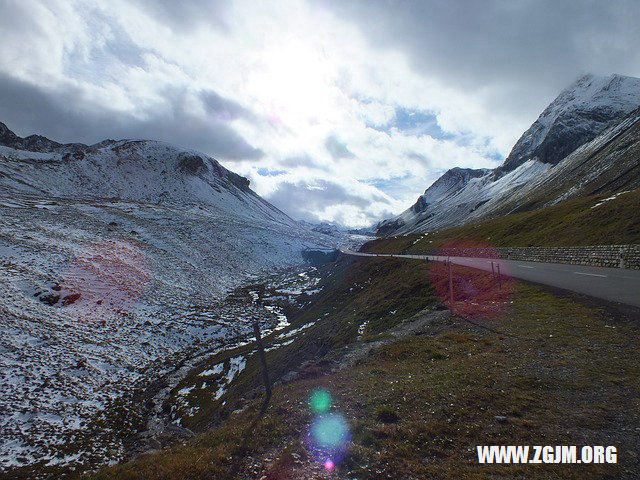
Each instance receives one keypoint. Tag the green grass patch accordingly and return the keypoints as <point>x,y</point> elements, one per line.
<point>573,222</point>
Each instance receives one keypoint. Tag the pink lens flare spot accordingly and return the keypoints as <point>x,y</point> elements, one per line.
<point>329,465</point>
<point>105,280</point>
<point>481,292</point>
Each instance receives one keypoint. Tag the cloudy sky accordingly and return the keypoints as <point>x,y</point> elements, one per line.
<point>337,111</point>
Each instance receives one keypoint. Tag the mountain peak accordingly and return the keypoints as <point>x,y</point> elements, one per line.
<point>590,112</point>
<point>7,137</point>
<point>33,143</point>
<point>581,112</point>
<point>133,170</point>
<point>596,89</point>
<point>452,180</point>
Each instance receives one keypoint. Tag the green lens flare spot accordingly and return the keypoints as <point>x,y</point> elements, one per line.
<point>320,401</point>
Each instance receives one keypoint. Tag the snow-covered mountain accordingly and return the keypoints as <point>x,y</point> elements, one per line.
<point>583,118</point>
<point>138,171</point>
<point>608,163</point>
<point>447,186</point>
<point>115,257</point>
<point>580,113</point>
<point>323,227</point>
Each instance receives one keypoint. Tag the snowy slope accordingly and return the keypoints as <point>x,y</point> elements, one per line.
<point>115,258</point>
<point>440,193</point>
<point>608,163</point>
<point>583,118</point>
<point>580,113</point>
<point>140,171</point>
<point>455,208</point>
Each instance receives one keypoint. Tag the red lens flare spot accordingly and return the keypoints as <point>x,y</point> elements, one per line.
<point>472,292</point>
<point>105,281</point>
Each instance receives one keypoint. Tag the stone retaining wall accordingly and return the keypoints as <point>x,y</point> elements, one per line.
<point>617,256</point>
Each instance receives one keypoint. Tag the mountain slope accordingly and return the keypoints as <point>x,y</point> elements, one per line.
<point>581,112</point>
<point>115,259</point>
<point>443,189</point>
<point>456,207</point>
<point>593,113</point>
<point>141,171</point>
<point>609,163</point>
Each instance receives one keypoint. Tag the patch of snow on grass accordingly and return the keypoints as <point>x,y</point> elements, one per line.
<point>612,197</point>
<point>219,368</point>
<point>291,333</point>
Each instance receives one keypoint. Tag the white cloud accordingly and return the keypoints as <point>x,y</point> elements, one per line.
<point>303,87</point>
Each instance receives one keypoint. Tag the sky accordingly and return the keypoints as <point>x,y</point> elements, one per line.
<point>336,111</point>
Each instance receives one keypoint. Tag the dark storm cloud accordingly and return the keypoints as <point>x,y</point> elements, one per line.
<point>300,200</point>
<point>337,148</point>
<point>61,116</point>
<point>223,108</point>
<point>533,46</point>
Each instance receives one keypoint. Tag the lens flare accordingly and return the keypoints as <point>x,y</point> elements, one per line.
<point>104,281</point>
<point>328,438</point>
<point>329,465</point>
<point>320,401</point>
<point>329,431</point>
<point>476,293</point>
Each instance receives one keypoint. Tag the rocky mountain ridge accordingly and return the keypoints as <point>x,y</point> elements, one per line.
<point>586,115</point>
<point>580,113</point>
<point>139,170</point>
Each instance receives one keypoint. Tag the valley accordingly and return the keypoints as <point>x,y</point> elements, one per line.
<point>114,285</point>
<point>420,387</point>
<point>134,272</point>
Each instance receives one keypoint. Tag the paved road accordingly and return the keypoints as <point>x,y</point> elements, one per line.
<point>614,284</point>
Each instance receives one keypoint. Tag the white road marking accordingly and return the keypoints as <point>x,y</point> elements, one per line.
<point>590,274</point>
<point>524,266</point>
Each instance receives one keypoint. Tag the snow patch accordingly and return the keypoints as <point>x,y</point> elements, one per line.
<point>608,199</point>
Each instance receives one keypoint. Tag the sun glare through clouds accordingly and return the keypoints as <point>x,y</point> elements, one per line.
<point>294,82</point>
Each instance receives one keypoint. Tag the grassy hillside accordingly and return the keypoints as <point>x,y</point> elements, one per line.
<point>574,222</point>
<point>549,370</point>
<point>380,292</point>
<point>383,286</point>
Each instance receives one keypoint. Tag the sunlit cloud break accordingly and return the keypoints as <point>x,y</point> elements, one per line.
<point>302,95</point>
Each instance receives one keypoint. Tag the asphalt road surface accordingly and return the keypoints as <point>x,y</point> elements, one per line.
<point>613,284</point>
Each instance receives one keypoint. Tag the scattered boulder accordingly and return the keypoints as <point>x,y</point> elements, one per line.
<point>50,299</point>
<point>70,299</point>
